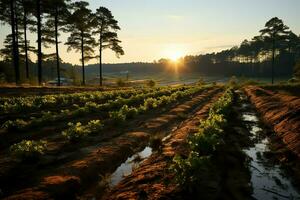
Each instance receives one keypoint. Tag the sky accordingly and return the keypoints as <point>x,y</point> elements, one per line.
<point>152,29</point>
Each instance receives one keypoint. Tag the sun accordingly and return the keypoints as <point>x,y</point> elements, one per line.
<point>174,56</point>
<point>173,52</point>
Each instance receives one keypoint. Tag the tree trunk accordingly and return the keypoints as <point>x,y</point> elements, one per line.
<point>273,59</point>
<point>82,58</point>
<point>17,39</point>
<point>56,45</point>
<point>14,42</point>
<point>39,41</point>
<point>25,40</point>
<point>100,65</point>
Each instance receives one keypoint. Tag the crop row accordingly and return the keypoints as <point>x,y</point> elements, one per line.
<point>189,171</point>
<point>77,131</point>
<point>89,108</point>
<point>35,103</point>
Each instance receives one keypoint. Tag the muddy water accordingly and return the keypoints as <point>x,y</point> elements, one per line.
<point>135,160</point>
<point>126,168</point>
<point>268,180</point>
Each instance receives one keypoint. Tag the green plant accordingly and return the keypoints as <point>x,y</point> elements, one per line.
<point>29,149</point>
<point>153,99</point>
<point>117,117</point>
<point>14,125</point>
<point>189,171</point>
<point>129,112</point>
<point>203,144</point>
<point>94,126</point>
<point>150,103</point>
<point>75,131</point>
<point>89,100</point>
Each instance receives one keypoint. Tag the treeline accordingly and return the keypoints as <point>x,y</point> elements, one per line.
<point>275,51</point>
<point>48,19</point>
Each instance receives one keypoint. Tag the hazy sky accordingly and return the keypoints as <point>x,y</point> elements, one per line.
<point>152,29</point>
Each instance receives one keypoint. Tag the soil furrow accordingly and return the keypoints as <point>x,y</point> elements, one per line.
<point>102,158</point>
<point>281,112</point>
<point>149,180</point>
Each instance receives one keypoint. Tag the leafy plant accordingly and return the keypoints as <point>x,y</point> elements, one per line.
<point>14,125</point>
<point>94,126</point>
<point>188,171</point>
<point>129,112</point>
<point>117,117</point>
<point>150,103</point>
<point>75,131</point>
<point>29,149</point>
<point>203,144</point>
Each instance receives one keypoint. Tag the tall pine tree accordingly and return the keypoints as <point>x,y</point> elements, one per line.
<point>106,29</point>
<point>81,23</point>
<point>274,33</point>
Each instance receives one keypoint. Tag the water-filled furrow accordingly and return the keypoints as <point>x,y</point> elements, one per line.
<point>268,180</point>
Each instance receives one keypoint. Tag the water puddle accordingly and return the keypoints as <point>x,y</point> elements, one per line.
<point>249,117</point>
<point>127,167</point>
<point>268,181</point>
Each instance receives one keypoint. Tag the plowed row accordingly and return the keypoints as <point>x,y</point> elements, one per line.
<point>149,179</point>
<point>73,173</point>
<point>281,112</point>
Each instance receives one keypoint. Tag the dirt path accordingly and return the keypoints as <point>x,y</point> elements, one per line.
<point>78,170</point>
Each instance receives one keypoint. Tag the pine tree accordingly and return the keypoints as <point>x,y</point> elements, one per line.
<point>23,48</point>
<point>57,14</point>
<point>27,10</point>
<point>81,23</point>
<point>107,28</point>
<point>8,16</point>
<point>274,32</point>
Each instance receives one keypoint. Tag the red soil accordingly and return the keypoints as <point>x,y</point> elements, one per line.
<point>281,112</point>
<point>64,180</point>
<point>149,180</point>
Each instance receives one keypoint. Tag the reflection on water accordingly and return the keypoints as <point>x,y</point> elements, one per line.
<point>268,181</point>
<point>126,168</point>
<point>249,117</point>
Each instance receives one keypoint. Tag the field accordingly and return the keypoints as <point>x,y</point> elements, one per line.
<point>209,141</point>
